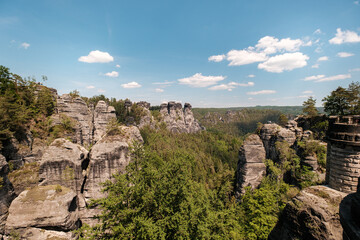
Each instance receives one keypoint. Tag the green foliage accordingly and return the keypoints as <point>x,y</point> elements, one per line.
<point>343,101</point>
<point>283,120</point>
<point>309,107</point>
<point>58,188</point>
<point>159,198</point>
<point>24,177</point>
<point>314,148</point>
<point>1,182</point>
<point>74,94</point>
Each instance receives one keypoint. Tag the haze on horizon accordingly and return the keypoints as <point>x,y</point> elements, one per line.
<point>208,53</point>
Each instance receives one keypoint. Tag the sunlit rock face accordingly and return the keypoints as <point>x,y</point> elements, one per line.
<point>251,167</point>
<point>178,119</point>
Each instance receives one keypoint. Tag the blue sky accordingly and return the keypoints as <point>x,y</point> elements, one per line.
<point>208,53</point>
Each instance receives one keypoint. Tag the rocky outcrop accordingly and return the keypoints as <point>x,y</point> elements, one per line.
<point>251,167</point>
<point>271,133</point>
<point>146,118</point>
<point>7,193</point>
<point>42,234</point>
<point>108,156</point>
<point>77,109</point>
<point>44,207</point>
<point>63,163</point>
<point>103,114</point>
<point>350,216</point>
<point>312,214</point>
<point>178,119</point>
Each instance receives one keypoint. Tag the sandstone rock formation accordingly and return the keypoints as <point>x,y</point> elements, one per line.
<point>178,119</point>
<point>77,109</point>
<point>147,119</point>
<point>63,163</point>
<point>44,207</point>
<point>102,115</point>
<point>312,214</point>
<point>251,167</point>
<point>7,193</point>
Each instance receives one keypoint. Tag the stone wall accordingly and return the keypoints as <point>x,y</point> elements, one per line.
<point>343,156</point>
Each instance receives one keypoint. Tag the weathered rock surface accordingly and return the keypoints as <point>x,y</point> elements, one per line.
<point>108,156</point>
<point>42,234</point>
<point>102,115</point>
<point>7,193</point>
<point>350,216</point>
<point>63,163</point>
<point>178,119</point>
<point>271,133</point>
<point>77,109</point>
<point>251,167</point>
<point>146,119</point>
<point>48,207</point>
<point>312,214</point>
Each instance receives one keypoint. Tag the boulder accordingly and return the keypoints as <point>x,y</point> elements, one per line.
<point>63,163</point>
<point>102,115</point>
<point>312,214</point>
<point>292,125</point>
<point>251,167</point>
<point>50,207</point>
<point>42,234</point>
<point>191,124</point>
<point>7,193</point>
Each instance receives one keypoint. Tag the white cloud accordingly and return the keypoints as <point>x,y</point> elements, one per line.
<point>317,31</point>
<point>318,50</point>
<point>334,78</point>
<point>270,45</point>
<point>198,80</point>
<point>117,65</point>
<point>261,92</point>
<point>354,70</point>
<point>216,58</point>
<point>243,57</point>
<point>90,87</point>
<point>112,74</point>
<point>344,54</point>
<point>159,90</point>
<point>315,77</point>
<point>346,36</point>
<point>251,76</point>
<point>25,45</point>
<point>231,86</point>
<point>356,3</point>
<point>315,65</point>
<point>101,91</point>
<point>307,92</point>
<point>131,85</point>
<point>96,57</point>
<point>284,62</point>
<point>323,58</point>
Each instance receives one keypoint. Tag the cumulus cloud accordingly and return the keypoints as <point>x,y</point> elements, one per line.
<point>243,57</point>
<point>270,45</point>
<point>284,62</point>
<point>131,85</point>
<point>323,58</point>
<point>25,45</point>
<point>90,87</point>
<point>315,65</point>
<point>164,84</point>
<point>334,78</point>
<point>307,92</point>
<point>216,58</point>
<point>345,54</point>
<point>112,74</point>
<point>251,76</point>
<point>230,86</point>
<point>117,65</point>
<point>159,90</point>
<point>198,80</point>
<point>261,92</point>
<point>96,57</point>
<point>315,77</point>
<point>346,36</point>
<point>356,3</point>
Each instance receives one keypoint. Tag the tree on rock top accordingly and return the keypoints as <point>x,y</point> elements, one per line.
<point>309,107</point>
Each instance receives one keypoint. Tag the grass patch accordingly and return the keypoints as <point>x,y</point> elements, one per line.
<point>40,193</point>
<point>25,177</point>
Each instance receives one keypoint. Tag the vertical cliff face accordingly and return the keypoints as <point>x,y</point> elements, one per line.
<point>251,166</point>
<point>101,117</point>
<point>178,119</point>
